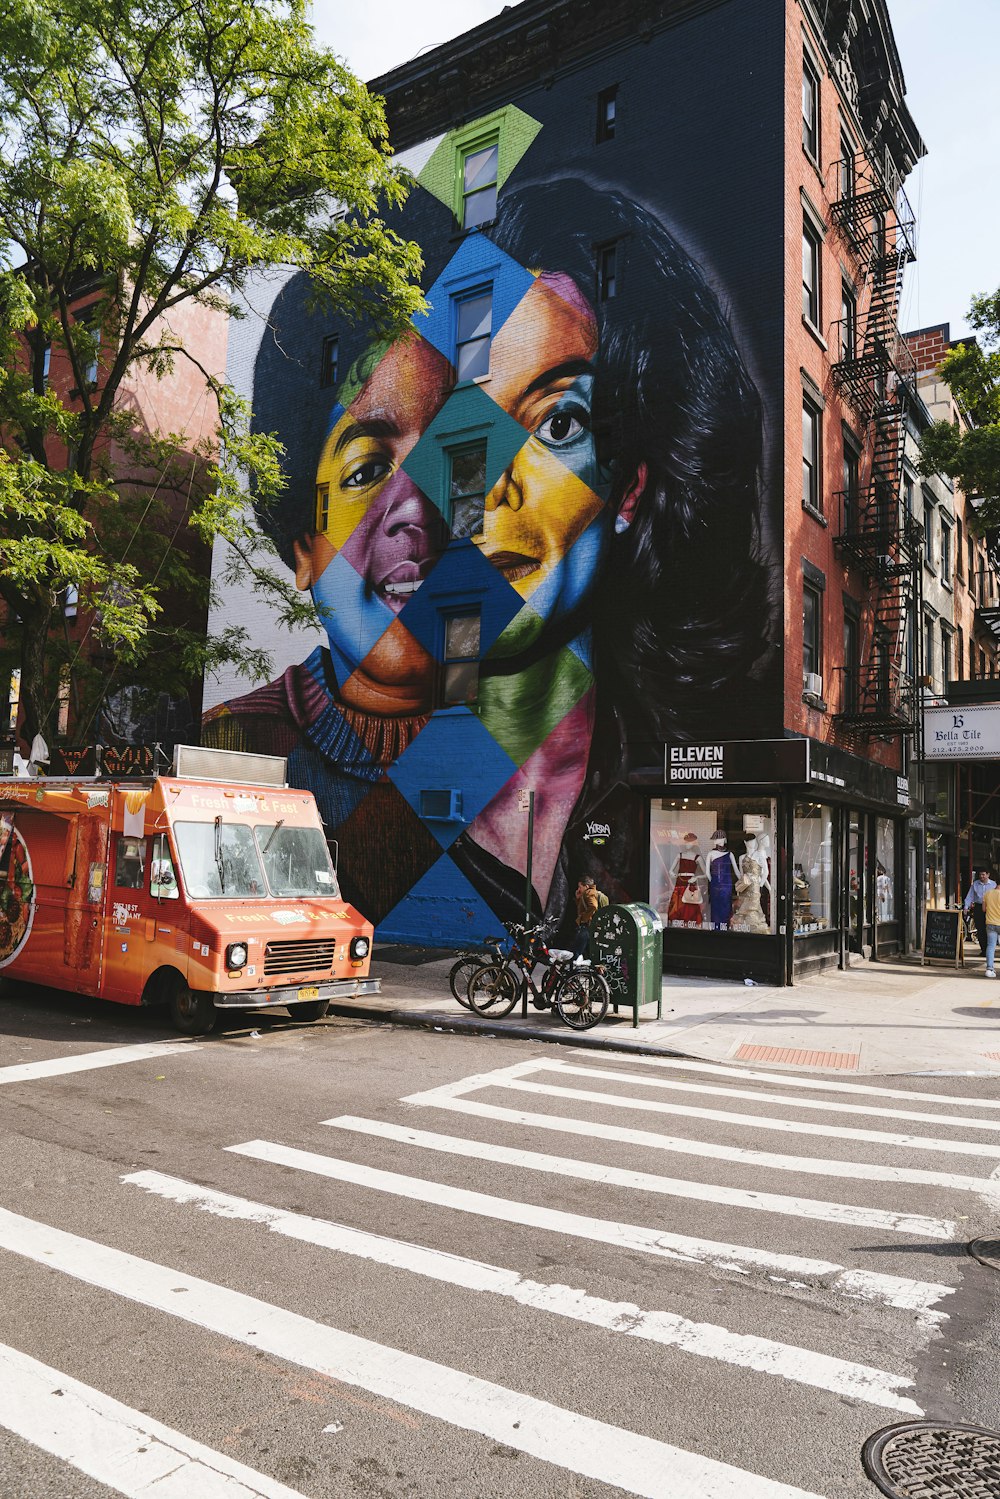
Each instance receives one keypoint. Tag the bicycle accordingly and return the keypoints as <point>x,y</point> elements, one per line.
<point>578,992</point>
<point>468,961</point>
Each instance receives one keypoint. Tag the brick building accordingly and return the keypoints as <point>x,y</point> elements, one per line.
<point>621,523</point>
<point>962,638</point>
<point>178,412</point>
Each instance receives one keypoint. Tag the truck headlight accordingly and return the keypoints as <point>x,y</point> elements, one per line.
<point>236,955</point>
<point>359,948</point>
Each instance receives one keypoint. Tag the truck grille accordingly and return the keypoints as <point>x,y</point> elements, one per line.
<point>292,957</point>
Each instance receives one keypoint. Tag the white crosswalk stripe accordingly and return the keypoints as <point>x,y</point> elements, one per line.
<point>760,1259</point>
<point>624,1459</point>
<point>826,1105</point>
<point>122,1448</point>
<point>984,1186</point>
<point>803,1366</point>
<point>892,1290</point>
<point>645,1181</point>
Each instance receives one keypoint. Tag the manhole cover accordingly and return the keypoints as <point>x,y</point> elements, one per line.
<point>921,1460</point>
<point>986,1251</point>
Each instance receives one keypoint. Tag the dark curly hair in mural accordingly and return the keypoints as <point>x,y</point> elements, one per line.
<point>682,609</point>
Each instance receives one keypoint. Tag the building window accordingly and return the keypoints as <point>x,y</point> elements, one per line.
<point>812,631</point>
<point>467,489</point>
<point>473,331</point>
<point>71,600</point>
<point>929,535</point>
<point>910,647</point>
<point>329,361</point>
<point>607,272</point>
<point>848,171</point>
<point>852,661</point>
<point>322,509</point>
<point>810,109</point>
<point>810,274</point>
<point>812,868</point>
<point>705,847</point>
<point>946,656</point>
<point>607,114</point>
<point>93,329</point>
<point>972,657</point>
<point>479,185</point>
<point>972,562</point>
<point>46,365</point>
<point>848,322</point>
<point>946,554</point>
<point>960,653</point>
<point>851,482</point>
<point>959,561</point>
<point>908,495</point>
<point>811,489</point>
<point>929,649</point>
<point>461,658</point>
<point>62,699</point>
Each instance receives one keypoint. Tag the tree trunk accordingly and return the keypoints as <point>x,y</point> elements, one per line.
<point>37,709</point>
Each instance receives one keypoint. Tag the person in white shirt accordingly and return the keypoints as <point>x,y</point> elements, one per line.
<point>974,902</point>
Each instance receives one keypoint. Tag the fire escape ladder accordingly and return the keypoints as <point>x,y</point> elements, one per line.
<point>876,374</point>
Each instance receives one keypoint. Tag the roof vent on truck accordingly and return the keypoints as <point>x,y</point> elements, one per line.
<point>192,763</point>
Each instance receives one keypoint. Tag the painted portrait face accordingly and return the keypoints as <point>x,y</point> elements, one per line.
<point>377,537</point>
<point>546,521</point>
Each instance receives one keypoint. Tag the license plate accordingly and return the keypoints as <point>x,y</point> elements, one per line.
<point>309,993</point>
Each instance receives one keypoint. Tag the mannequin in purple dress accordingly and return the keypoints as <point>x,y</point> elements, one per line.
<point>722,877</point>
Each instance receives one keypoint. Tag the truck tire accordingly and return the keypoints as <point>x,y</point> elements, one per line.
<point>191,1010</point>
<point>309,1009</point>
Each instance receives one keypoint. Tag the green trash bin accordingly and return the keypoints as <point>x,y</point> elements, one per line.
<point>628,943</point>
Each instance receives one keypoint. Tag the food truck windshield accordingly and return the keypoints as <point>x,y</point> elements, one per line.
<point>226,860</point>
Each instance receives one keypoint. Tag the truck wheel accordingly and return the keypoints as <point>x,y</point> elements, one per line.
<point>191,1010</point>
<point>310,1009</point>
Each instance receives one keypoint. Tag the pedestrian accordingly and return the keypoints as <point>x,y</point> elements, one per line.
<point>991,915</point>
<point>974,902</point>
<point>586,906</point>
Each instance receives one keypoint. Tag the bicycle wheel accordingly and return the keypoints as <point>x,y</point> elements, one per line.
<point>493,991</point>
<point>461,973</point>
<point>582,998</point>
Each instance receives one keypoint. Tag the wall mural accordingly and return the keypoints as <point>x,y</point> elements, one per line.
<point>532,541</point>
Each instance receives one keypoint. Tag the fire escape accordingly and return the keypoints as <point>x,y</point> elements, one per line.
<point>876,374</point>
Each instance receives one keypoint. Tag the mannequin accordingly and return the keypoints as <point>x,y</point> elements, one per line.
<point>722,877</point>
<point>802,912</point>
<point>748,915</point>
<point>681,911</point>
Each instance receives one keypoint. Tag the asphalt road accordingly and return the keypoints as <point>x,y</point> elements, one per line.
<point>462,1266</point>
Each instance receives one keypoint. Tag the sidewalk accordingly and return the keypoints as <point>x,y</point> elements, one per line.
<point>873,1018</point>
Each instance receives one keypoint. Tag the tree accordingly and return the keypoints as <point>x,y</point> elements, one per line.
<point>972,456</point>
<point>154,154</point>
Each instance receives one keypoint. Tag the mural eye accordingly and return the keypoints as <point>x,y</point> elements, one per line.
<point>562,427</point>
<point>366,473</point>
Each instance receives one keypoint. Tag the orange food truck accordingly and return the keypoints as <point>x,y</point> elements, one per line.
<point>211,888</point>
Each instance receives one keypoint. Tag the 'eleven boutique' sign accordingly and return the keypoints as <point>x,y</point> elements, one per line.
<point>962,733</point>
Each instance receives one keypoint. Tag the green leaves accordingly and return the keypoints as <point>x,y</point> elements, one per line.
<point>972,456</point>
<point>153,155</point>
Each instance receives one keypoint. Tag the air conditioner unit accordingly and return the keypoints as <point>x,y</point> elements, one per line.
<point>812,684</point>
<point>441,806</point>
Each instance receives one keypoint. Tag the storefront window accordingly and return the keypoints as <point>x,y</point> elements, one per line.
<point>885,869</point>
<point>812,868</point>
<point>712,864</point>
<point>935,879</point>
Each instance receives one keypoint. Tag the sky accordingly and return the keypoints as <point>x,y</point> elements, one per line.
<point>949,51</point>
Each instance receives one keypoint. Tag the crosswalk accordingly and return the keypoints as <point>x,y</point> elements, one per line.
<point>705,1281</point>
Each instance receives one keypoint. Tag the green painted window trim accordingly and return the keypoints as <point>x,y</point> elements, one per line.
<point>488,130</point>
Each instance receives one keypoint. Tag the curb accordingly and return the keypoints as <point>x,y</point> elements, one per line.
<point>466,1025</point>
